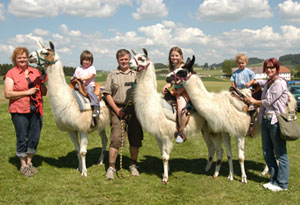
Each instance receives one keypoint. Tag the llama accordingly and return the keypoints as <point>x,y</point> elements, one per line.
<point>150,112</point>
<point>65,107</point>
<point>217,108</point>
<point>210,105</point>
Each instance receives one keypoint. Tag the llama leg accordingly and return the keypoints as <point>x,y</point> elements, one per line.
<point>104,143</point>
<point>241,152</point>
<point>217,140</point>
<point>74,138</point>
<point>210,149</point>
<point>227,143</point>
<point>165,147</point>
<point>83,151</point>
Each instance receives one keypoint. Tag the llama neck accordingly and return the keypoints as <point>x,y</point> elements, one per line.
<point>57,86</point>
<point>148,104</point>
<point>195,84</point>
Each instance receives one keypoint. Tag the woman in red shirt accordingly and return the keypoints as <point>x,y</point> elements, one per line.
<point>24,87</point>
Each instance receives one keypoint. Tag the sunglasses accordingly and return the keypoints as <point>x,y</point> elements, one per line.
<point>270,67</point>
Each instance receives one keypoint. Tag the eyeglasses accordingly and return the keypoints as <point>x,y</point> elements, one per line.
<point>270,67</point>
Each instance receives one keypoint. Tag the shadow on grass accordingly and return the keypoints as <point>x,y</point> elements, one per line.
<point>153,165</point>
<point>150,164</point>
<point>68,161</point>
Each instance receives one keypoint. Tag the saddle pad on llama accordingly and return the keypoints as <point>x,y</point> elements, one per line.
<point>83,102</point>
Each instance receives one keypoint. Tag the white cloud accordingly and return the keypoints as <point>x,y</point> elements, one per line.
<point>190,36</point>
<point>157,34</point>
<point>63,28</point>
<point>68,32</point>
<point>41,32</point>
<point>158,38</point>
<point>44,8</point>
<point>33,9</point>
<point>150,9</point>
<point>233,10</point>
<point>6,49</point>
<point>290,11</point>
<point>2,18</point>
<point>64,50</point>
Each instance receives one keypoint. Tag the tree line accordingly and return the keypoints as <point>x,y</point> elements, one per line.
<point>68,70</point>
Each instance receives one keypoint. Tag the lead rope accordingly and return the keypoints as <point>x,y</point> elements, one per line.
<point>121,172</point>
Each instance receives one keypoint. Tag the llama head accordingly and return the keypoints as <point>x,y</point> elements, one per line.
<point>183,73</point>
<point>43,56</point>
<point>139,62</point>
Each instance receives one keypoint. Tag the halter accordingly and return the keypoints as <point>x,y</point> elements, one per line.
<point>141,67</point>
<point>43,60</point>
<point>181,79</point>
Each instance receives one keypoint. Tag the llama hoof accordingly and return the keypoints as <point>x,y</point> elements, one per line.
<point>100,162</point>
<point>164,181</point>
<point>230,178</point>
<point>244,181</point>
<point>214,177</point>
<point>84,174</point>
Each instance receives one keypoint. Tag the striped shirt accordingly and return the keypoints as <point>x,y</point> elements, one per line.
<point>119,85</point>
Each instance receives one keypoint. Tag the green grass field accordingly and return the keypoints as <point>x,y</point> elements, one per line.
<point>58,181</point>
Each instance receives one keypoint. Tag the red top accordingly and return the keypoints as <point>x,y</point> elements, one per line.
<point>22,105</point>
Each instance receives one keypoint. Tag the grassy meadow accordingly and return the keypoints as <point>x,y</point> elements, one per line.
<point>58,181</point>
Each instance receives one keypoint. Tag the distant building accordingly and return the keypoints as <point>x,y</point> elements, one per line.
<point>259,73</point>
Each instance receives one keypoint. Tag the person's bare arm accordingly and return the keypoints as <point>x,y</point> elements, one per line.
<point>13,95</point>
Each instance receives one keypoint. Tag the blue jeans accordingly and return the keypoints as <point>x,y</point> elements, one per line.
<point>275,148</point>
<point>93,97</point>
<point>28,130</point>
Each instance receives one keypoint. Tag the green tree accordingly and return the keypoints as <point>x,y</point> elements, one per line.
<point>227,66</point>
<point>205,66</point>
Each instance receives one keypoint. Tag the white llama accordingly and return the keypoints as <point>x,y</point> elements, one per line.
<point>153,118</point>
<point>65,107</point>
<point>217,109</point>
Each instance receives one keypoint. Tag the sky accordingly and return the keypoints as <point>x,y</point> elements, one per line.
<point>212,30</point>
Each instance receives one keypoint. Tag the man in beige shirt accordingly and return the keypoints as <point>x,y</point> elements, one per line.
<point>117,91</point>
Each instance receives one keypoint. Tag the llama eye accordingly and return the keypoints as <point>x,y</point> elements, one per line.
<point>45,53</point>
<point>141,59</point>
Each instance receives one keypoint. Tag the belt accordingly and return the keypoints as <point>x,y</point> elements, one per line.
<point>268,116</point>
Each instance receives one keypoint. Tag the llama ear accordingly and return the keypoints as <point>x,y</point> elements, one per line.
<point>145,52</point>
<point>189,65</point>
<point>41,44</point>
<point>52,47</point>
<point>188,60</point>
<point>133,51</point>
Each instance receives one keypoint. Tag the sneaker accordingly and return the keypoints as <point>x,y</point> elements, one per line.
<point>275,188</point>
<point>266,186</point>
<point>179,139</point>
<point>134,170</point>
<point>96,112</point>
<point>26,171</point>
<point>110,173</point>
<point>32,169</point>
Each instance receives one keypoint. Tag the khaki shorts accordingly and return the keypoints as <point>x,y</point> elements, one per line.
<point>132,127</point>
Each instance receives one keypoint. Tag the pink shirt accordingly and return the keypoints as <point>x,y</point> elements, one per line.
<point>82,72</point>
<point>22,105</point>
<point>274,98</point>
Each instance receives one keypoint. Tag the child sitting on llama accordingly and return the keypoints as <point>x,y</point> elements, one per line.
<point>244,78</point>
<point>87,72</point>
<point>175,61</point>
